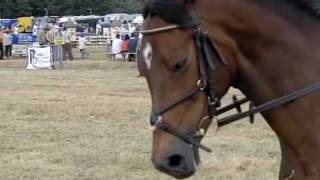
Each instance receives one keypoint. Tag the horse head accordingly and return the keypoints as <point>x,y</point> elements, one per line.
<point>186,76</point>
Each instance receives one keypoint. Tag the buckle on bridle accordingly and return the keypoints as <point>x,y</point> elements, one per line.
<point>155,119</point>
<point>202,85</point>
<point>214,101</point>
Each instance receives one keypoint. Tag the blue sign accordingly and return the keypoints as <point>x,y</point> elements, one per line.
<point>8,22</point>
<point>23,38</point>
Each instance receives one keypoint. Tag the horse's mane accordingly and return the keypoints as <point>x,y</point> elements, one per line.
<point>297,10</point>
<point>178,11</point>
<point>311,6</point>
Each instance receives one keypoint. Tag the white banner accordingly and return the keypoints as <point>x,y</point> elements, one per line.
<point>44,57</point>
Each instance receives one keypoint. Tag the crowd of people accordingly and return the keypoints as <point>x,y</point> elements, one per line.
<point>118,31</point>
<point>124,44</point>
<point>5,44</point>
<point>48,36</point>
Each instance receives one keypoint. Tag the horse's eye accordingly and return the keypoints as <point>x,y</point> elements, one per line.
<point>180,66</point>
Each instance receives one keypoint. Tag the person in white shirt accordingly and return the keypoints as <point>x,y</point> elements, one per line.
<point>117,45</point>
<point>83,46</point>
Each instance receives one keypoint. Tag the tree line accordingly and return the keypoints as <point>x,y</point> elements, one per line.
<point>18,8</point>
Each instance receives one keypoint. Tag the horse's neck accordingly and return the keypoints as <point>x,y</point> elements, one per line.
<point>272,57</point>
<point>271,52</point>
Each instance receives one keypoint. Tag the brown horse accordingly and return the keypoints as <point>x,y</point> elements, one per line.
<point>265,48</point>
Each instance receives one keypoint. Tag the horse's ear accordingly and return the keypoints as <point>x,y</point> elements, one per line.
<point>189,2</point>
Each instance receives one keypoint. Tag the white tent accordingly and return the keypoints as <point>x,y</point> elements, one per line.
<point>138,20</point>
<point>63,19</point>
<point>117,17</point>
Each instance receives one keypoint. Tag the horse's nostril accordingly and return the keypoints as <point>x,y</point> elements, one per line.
<point>175,161</point>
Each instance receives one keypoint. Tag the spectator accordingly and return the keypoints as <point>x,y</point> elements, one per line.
<point>8,44</point>
<point>125,44</point>
<point>133,43</point>
<point>82,46</point>
<point>58,37</point>
<point>1,44</point>
<point>42,36</point>
<point>117,45</point>
<point>50,35</point>
<point>67,48</point>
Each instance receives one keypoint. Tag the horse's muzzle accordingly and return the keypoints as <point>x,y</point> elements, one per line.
<point>179,161</point>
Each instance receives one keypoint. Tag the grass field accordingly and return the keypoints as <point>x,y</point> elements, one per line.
<point>88,121</point>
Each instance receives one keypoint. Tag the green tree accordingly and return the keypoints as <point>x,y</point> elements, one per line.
<point>16,8</point>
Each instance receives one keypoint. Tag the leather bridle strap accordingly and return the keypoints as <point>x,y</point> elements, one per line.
<point>232,106</point>
<point>161,29</point>
<point>156,114</point>
<point>271,104</point>
<point>188,139</point>
<point>201,86</point>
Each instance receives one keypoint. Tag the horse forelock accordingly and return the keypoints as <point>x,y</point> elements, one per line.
<point>172,11</point>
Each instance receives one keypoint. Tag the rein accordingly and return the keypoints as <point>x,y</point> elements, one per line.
<point>289,98</point>
<point>214,101</point>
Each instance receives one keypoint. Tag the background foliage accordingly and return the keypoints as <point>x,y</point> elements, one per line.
<point>16,8</point>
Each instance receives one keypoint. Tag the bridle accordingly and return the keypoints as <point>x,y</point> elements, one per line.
<point>202,85</point>
<point>206,51</point>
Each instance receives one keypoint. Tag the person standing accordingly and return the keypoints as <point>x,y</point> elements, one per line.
<point>82,46</point>
<point>1,44</point>
<point>8,44</point>
<point>59,38</point>
<point>42,36</point>
<point>67,48</point>
<point>51,36</point>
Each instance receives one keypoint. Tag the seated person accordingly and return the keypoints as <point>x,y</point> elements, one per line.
<point>117,45</point>
<point>125,44</point>
<point>133,43</point>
